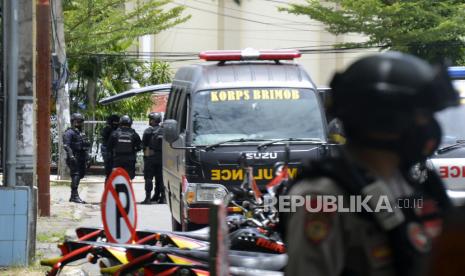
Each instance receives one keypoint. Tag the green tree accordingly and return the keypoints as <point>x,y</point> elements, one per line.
<point>90,38</point>
<point>96,32</point>
<point>117,74</point>
<point>102,26</point>
<point>432,30</point>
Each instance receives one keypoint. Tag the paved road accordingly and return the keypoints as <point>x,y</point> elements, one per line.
<point>156,216</point>
<point>67,216</point>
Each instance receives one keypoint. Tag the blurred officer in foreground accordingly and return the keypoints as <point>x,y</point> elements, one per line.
<point>77,147</point>
<point>448,254</point>
<point>111,125</point>
<point>124,143</point>
<point>152,145</point>
<point>386,103</point>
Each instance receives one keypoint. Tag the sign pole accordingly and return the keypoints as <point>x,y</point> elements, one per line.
<point>219,243</point>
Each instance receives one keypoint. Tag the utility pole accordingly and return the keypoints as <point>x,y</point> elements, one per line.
<point>12,95</point>
<point>61,88</point>
<point>43,105</point>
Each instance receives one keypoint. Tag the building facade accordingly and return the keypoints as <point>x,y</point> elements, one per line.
<point>222,24</point>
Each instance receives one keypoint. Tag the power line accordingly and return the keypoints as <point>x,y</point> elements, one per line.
<point>305,50</point>
<point>255,37</point>
<point>243,30</point>
<point>235,17</point>
<point>61,69</point>
<point>185,56</point>
<point>258,14</point>
<point>277,1</point>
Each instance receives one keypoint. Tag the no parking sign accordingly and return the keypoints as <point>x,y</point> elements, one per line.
<point>119,213</point>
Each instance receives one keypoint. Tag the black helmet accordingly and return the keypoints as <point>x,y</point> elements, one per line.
<point>77,117</point>
<point>381,91</point>
<point>156,116</point>
<point>113,118</point>
<point>125,120</point>
<point>387,101</point>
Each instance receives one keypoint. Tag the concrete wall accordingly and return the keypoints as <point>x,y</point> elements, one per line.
<point>221,24</point>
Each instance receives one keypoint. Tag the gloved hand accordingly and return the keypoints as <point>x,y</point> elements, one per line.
<point>72,161</point>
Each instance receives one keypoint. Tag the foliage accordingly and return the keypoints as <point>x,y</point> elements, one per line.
<point>430,29</point>
<point>97,32</point>
<point>117,74</point>
<point>98,26</point>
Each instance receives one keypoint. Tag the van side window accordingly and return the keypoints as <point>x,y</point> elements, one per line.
<point>169,106</point>
<point>187,112</point>
<point>175,108</point>
<point>182,112</point>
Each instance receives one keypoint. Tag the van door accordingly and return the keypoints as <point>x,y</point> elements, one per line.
<point>173,159</point>
<point>170,174</point>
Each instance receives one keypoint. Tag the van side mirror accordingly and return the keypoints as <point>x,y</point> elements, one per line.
<point>170,130</point>
<point>336,132</point>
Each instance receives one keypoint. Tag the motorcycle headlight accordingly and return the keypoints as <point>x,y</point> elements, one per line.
<point>418,172</point>
<point>204,192</point>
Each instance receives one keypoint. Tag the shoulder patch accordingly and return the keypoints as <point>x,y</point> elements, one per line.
<point>317,226</point>
<point>418,237</point>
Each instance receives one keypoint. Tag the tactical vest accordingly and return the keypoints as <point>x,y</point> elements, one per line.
<point>410,239</point>
<point>79,141</point>
<point>124,143</point>
<point>155,142</point>
<point>85,142</point>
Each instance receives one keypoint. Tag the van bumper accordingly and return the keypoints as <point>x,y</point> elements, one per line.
<point>199,215</point>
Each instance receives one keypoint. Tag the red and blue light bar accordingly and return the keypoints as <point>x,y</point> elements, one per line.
<point>249,54</point>
<point>457,72</point>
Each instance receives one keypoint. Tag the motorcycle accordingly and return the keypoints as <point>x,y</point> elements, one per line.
<point>253,231</point>
<point>153,260</point>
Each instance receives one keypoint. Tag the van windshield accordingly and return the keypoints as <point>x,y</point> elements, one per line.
<point>452,120</point>
<point>256,113</point>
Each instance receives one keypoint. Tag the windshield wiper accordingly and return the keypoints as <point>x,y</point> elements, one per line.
<point>445,149</point>
<point>313,140</point>
<point>232,141</point>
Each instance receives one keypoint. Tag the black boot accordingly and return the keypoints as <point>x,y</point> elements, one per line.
<point>75,197</point>
<point>155,198</point>
<point>74,190</point>
<point>158,192</point>
<point>147,198</point>
<point>162,200</point>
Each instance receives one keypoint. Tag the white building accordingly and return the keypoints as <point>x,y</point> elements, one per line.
<point>222,24</point>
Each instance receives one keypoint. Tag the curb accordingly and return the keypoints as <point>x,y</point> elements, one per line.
<point>86,182</point>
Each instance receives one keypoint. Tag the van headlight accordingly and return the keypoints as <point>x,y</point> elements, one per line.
<point>204,192</point>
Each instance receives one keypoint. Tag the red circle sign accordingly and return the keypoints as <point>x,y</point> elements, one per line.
<point>119,213</point>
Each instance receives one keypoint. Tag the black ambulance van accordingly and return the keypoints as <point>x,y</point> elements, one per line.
<point>239,103</point>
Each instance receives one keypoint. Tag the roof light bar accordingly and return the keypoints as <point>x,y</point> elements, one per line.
<point>249,54</point>
<point>457,72</point>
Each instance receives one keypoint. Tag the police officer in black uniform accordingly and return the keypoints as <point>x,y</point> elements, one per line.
<point>76,146</point>
<point>124,143</point>
<point>152,145</point>
<point>111,125</point>
<point>386,103</point>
